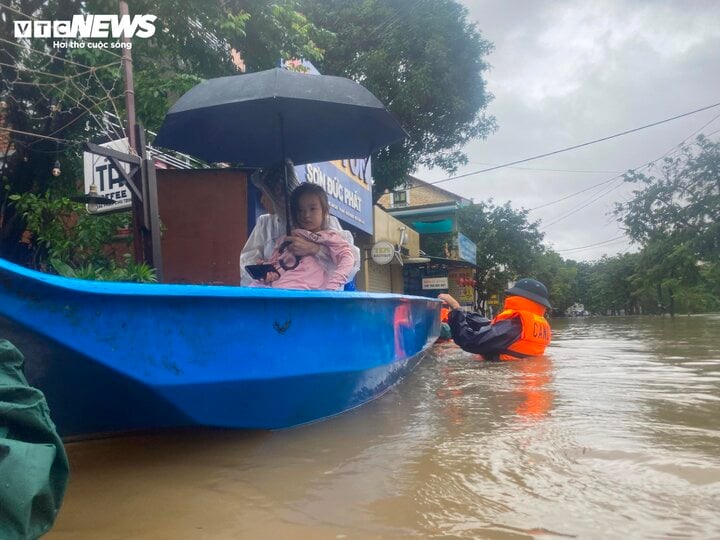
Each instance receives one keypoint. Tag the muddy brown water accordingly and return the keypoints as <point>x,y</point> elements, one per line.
<point>615,434</point>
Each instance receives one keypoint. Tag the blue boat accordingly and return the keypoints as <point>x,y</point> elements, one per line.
<point>113,357</point>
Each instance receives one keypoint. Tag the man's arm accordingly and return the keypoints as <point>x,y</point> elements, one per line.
<point>487,339</point>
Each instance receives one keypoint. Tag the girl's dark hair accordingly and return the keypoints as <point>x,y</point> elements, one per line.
<point>308,188</point>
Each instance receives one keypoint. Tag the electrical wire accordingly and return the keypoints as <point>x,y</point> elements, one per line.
<point>53,56</point>
<point>548,170</point>
<point>675,148</point>
<point>10,130</point>
<point>574,147</point>
<point>611,240</point>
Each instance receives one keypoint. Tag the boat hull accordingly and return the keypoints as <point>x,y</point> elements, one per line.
<point>117,356</point>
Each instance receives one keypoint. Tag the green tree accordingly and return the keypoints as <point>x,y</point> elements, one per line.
<point>53,99</point>
<point>278,30</point>
<point>194,40</point>
<point>671,267</point>
<point>507,244</point>
<point>675,216</point>
<point>559,276</point>
<point>425,61</point>
<point>611,285</point>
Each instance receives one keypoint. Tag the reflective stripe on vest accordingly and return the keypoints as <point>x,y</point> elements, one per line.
<point>535,334</point>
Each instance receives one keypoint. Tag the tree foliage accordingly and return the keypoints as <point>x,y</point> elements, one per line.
<point>53,99</point>
<point>425,61</point>
<point>558,275</point>
<point>681,204</point>
<point>675,216</point>
<point>507,243</point>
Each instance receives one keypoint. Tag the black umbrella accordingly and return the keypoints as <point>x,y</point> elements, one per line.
<point>260,119</point>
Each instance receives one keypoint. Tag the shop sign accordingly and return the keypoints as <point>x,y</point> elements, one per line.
<point>347,182</point>
<point>463,289</point>
<point>100,171</point>
<point>434,283</point>
<point>467,249</point>
<point>382,252</point>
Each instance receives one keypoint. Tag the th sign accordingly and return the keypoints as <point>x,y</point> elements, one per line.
<point>101,172</point>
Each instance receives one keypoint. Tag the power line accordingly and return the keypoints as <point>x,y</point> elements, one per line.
<point>35,135</point>
<point>549,170</point>
<point>585,204</point>
<point>577,193</point>
<point>37,72</point>
<point>669,151</point>
<point>593,245</point>
<point>53,56</point>
<point>605,245</point>
<point>574,147</point>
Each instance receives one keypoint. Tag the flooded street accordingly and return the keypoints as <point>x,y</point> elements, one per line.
<point>616,434</point>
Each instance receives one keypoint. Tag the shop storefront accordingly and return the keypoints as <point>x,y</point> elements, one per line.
<point>439,275</point>
<point>392,247</point>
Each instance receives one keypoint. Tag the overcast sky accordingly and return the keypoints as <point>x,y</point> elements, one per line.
<point>567,72</point>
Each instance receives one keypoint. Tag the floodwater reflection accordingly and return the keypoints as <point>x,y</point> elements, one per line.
<point>614,434</point>
<point>534,386</point>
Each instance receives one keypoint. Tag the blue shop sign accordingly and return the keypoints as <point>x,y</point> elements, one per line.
<point>467,249</point>
<point>348,183</point>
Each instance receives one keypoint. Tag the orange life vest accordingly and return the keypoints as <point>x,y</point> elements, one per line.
<point>536,333</point>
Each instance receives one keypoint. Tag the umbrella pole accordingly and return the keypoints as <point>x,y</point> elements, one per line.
<point>286,187</point>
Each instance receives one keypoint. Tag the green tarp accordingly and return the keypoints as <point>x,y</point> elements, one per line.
<point>33,464</point>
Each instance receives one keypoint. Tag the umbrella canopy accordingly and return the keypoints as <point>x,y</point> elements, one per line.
<point>260,119</point>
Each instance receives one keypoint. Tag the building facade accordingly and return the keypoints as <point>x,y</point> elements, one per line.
<point>432,212</point>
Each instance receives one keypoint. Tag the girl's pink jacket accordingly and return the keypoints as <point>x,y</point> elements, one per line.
<point>310,274</point>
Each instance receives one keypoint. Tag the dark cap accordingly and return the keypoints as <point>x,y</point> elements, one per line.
<point>531,289</point>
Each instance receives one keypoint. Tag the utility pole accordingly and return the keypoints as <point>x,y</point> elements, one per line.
<point>146,219</point>
<point>127,68</point>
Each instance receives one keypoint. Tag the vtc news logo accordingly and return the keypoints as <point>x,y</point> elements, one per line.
<point>89,26</point>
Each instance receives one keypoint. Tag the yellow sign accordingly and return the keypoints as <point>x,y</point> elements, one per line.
<point>460,279</point>
<point>357,169</point>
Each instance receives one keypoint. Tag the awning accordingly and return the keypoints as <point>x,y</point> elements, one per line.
<point>430,227</point>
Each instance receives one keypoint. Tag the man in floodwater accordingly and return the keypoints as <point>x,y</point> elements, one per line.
<point>520,330</point>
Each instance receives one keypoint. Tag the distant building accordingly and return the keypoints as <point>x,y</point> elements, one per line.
<point>576,310</point>
<point>432,212</point>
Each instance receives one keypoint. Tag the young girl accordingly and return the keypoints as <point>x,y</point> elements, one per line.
<point>271,226</point>
<point>309,210</point>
